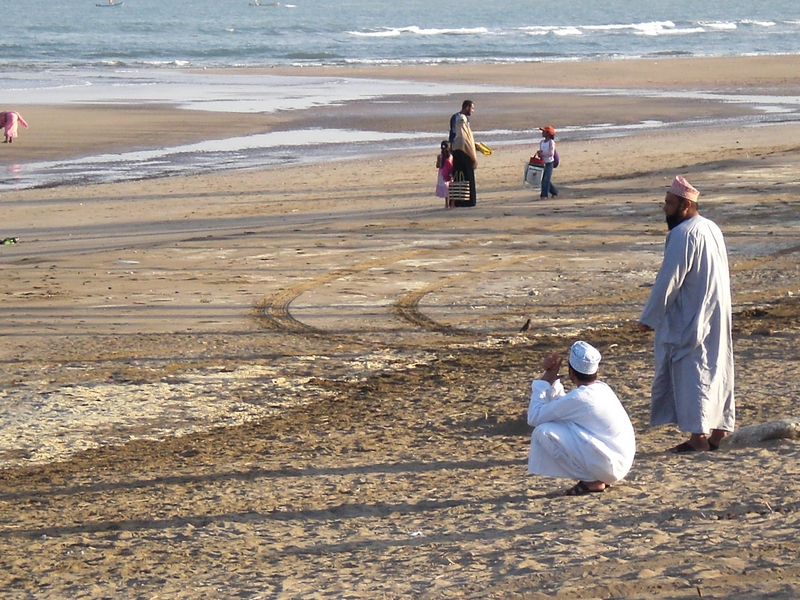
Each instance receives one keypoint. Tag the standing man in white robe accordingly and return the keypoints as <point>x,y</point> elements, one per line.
<point>465,157</point>
<point>690,310</point>
<point>585,434</point>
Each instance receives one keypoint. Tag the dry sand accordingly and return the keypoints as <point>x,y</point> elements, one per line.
<point>340,357</point>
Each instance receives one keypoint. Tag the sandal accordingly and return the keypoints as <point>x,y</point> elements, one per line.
<point>681,448</point>
<point>581,489</point>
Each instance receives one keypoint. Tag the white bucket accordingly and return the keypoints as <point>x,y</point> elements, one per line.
<point>533,174</point>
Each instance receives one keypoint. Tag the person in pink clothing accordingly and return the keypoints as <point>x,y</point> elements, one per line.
<point>444,162</point>
<point>9,120</point>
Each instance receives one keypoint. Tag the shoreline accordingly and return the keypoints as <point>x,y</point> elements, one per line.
<point>778,70</point>
<point>508,114</point>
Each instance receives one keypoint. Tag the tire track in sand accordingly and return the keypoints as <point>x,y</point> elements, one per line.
<point>274,312</point>
<point>406,308</point>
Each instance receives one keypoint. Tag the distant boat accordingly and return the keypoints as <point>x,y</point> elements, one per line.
<point>257,3</point>
<point>110,4</point>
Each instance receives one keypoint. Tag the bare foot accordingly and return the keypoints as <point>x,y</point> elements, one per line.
<point>715,438</point>
<point>697,442</point>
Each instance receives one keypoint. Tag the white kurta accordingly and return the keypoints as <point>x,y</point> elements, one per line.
<point>690,310</point>
<point>585,435</point>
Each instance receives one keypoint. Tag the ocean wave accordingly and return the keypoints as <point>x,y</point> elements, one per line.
<point>39,86</point>
<point>653,29</point>
<point>397,31</point>
<point>670,53</point>
<point>543,56</point>
<point>395,62</point>
<point>659,29</point>
<point>718,25</point>
<point>678,31</point>
<point>759,23</point>
<point>375,34</point>
<point>564,31</point>
<point>324,56</point>
<point>165,63</point>
<point>643,26</point>
<point>648,28</point>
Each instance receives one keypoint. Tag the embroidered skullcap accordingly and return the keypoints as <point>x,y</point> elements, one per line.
<point>584,358</point>
<point>683,189</point>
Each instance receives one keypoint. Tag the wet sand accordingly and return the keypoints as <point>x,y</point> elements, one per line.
<point>309,381</point>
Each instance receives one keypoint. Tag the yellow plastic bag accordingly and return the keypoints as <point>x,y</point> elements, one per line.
<point>483,149</point>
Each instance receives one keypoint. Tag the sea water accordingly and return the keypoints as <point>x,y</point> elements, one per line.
<point>41,34</point>
<point>150,51</point>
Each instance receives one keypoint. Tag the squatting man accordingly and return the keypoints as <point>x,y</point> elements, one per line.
<point>585,434</point>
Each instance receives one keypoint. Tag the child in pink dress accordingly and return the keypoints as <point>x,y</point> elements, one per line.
<point>444,162</point>
<point>9,121</point>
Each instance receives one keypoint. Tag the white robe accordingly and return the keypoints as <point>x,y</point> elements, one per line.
<point>690,310</point>
<point>585,435</point>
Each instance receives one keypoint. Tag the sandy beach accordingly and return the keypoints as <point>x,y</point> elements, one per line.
<point>309,381</point>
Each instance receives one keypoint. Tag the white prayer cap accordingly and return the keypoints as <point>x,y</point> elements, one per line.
<point>584,358</point>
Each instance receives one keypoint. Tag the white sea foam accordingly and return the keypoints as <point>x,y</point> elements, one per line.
<point>166,63</point>
<point>759,23</point>
<point>718,25</point>
<point>647,25</point>
<point>653,29</point>
<point>538,28</point>
<point>684,31</point>
<point>398,31</point>
<point>376,34</point>
<point>564,31</point>
<point>650,28</point>
<point>32,87</point>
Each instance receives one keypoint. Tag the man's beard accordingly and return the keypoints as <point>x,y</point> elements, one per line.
<point>673,221</point>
